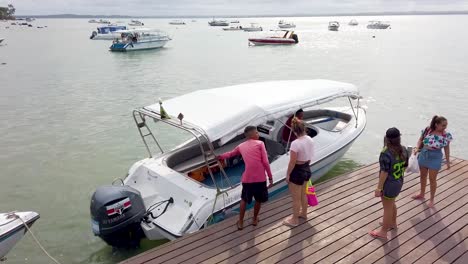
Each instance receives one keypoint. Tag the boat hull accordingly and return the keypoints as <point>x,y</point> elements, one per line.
<point>104,37</point>
<point>252,29</point>
<point>12,232</point>
<point>271,41</point>
<point>378,26</point>
<point>123,47</point>
<point>286,26</point>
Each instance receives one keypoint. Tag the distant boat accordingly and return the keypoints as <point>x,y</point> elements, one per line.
<point>136,23</point>
<point>233,28</point>
<point>139,39</point>
<point>288,38</point>
<point>218,23</point>
<point>333,25</point>
<point>106,32</point>
<point>234,21</point>
<point>253,27</point>
<point>177,22</point>
<point>100,21</point>
<point>12,229</point>
<point>378,25</point>
<point>284,24</point>
<point>353,22</point>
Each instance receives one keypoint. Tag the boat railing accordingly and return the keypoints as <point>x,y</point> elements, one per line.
<point>209,158</point>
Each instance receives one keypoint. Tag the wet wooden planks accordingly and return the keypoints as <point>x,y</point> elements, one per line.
<point>337,230</point>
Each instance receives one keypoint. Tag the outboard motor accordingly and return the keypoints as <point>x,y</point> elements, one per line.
<point>94,34</point>
<point>296,39</point>
<point>116,213</point>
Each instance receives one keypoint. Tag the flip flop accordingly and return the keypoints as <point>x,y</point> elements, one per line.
<point>255,223</point>
<point>375,234</point>
<point>239,227</point>
<point>287,223</point>
<point>418,197</point>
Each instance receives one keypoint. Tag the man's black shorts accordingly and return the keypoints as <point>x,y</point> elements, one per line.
<point>258,190</point>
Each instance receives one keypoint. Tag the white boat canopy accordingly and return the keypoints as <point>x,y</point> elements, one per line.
<point>224,112</point>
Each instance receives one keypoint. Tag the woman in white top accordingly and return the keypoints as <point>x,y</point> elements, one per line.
<point>299,173</point>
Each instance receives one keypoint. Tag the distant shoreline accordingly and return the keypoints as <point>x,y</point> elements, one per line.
<point>241,16</point>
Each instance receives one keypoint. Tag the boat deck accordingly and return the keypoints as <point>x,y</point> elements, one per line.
<point>337,229</point>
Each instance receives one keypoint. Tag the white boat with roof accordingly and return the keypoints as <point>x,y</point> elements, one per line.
<point>106,32</point>
<point>182,186</point>
<point>12,229</point>
<point>285,24</point>
<point>139,39</point>
<point>218,23</point>
<point>378,25</point>
<point>333,25</point>
<point>253,27</point>
<point>136,23</point>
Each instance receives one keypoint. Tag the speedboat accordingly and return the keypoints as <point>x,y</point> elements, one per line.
<point>12,229</point>
<point>284,24</point>
<point>233,28</point>
<point>182,187</point>
<point>253,27</point>
<point>106,32</point>
<point>218,23</point>
<point>378,25</point>
<point>333,25</point>
<point>139,39</point>
<point>353,22</point>
<point>288,38</point>
<point>136,23</point>
<point>177,22</point>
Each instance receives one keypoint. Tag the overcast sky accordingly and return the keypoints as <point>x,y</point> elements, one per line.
<point>226,7</point>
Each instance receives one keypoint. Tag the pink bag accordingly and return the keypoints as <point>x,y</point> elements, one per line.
<point>310,192</point>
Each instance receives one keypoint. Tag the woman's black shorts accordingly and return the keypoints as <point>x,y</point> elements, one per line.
<point>258,190</point>
<point>300,174</point>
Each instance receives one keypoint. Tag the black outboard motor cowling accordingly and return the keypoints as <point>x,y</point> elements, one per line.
<point>116,213</point>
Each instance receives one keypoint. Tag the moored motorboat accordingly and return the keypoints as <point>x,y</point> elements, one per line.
<point>12,229</point>
<point>286,38</point>
<point>253,27</point>
<point>139,39</point>
<point>233,28</point>
<point>177,22</point>
<point>378,25</point>
<point>353,22</point>
<point>183,187</point>
<point>284,24</point>
<point>136,23</point>
<point>218,23</point>
<point>333,25</point>
<point>106,32</point>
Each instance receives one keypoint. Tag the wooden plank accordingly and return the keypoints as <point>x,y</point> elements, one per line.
<point>463,259</point>
<point>456,254</point>
<point>179,244</point>
<point>358,218</point>
<point>336,230</point>
<point>431,250</point>
<point>268,217</point>
<point>361,250</point>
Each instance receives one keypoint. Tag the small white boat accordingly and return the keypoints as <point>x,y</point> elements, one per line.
<point>233,28</point>
<point>284,24</point>
<point>139,39</point>
<point>286,38</point>
<point>333,25</point>
<point>136,23</point>
<point>253,27</point>
<point>378,25</point>
<point>182,187</point>
<point>12,229</point>
<point>106,32</point>
<point>353,22</point>
<point>218,23</point>
<point>177,22</point>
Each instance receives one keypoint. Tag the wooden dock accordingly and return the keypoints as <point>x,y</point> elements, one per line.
<point>337,229</point>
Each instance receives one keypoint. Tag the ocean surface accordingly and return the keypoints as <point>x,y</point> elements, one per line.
<point>65,102</point>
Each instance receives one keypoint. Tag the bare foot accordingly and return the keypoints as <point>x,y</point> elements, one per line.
<point>418,197</point>
<point>303,216</point>
<point>378,234</point>
<point>430,204</point>
<point>395,226</point>
<point>255,222</point>
<point>289,222</point>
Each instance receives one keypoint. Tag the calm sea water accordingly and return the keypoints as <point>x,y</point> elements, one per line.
<point>66,101</point>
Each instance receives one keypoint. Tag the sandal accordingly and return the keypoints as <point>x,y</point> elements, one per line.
<point>255,223</point>
<point>418,197</point>
<point>239,227</point>
<point>287,222</point>
<point>375,234</point>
